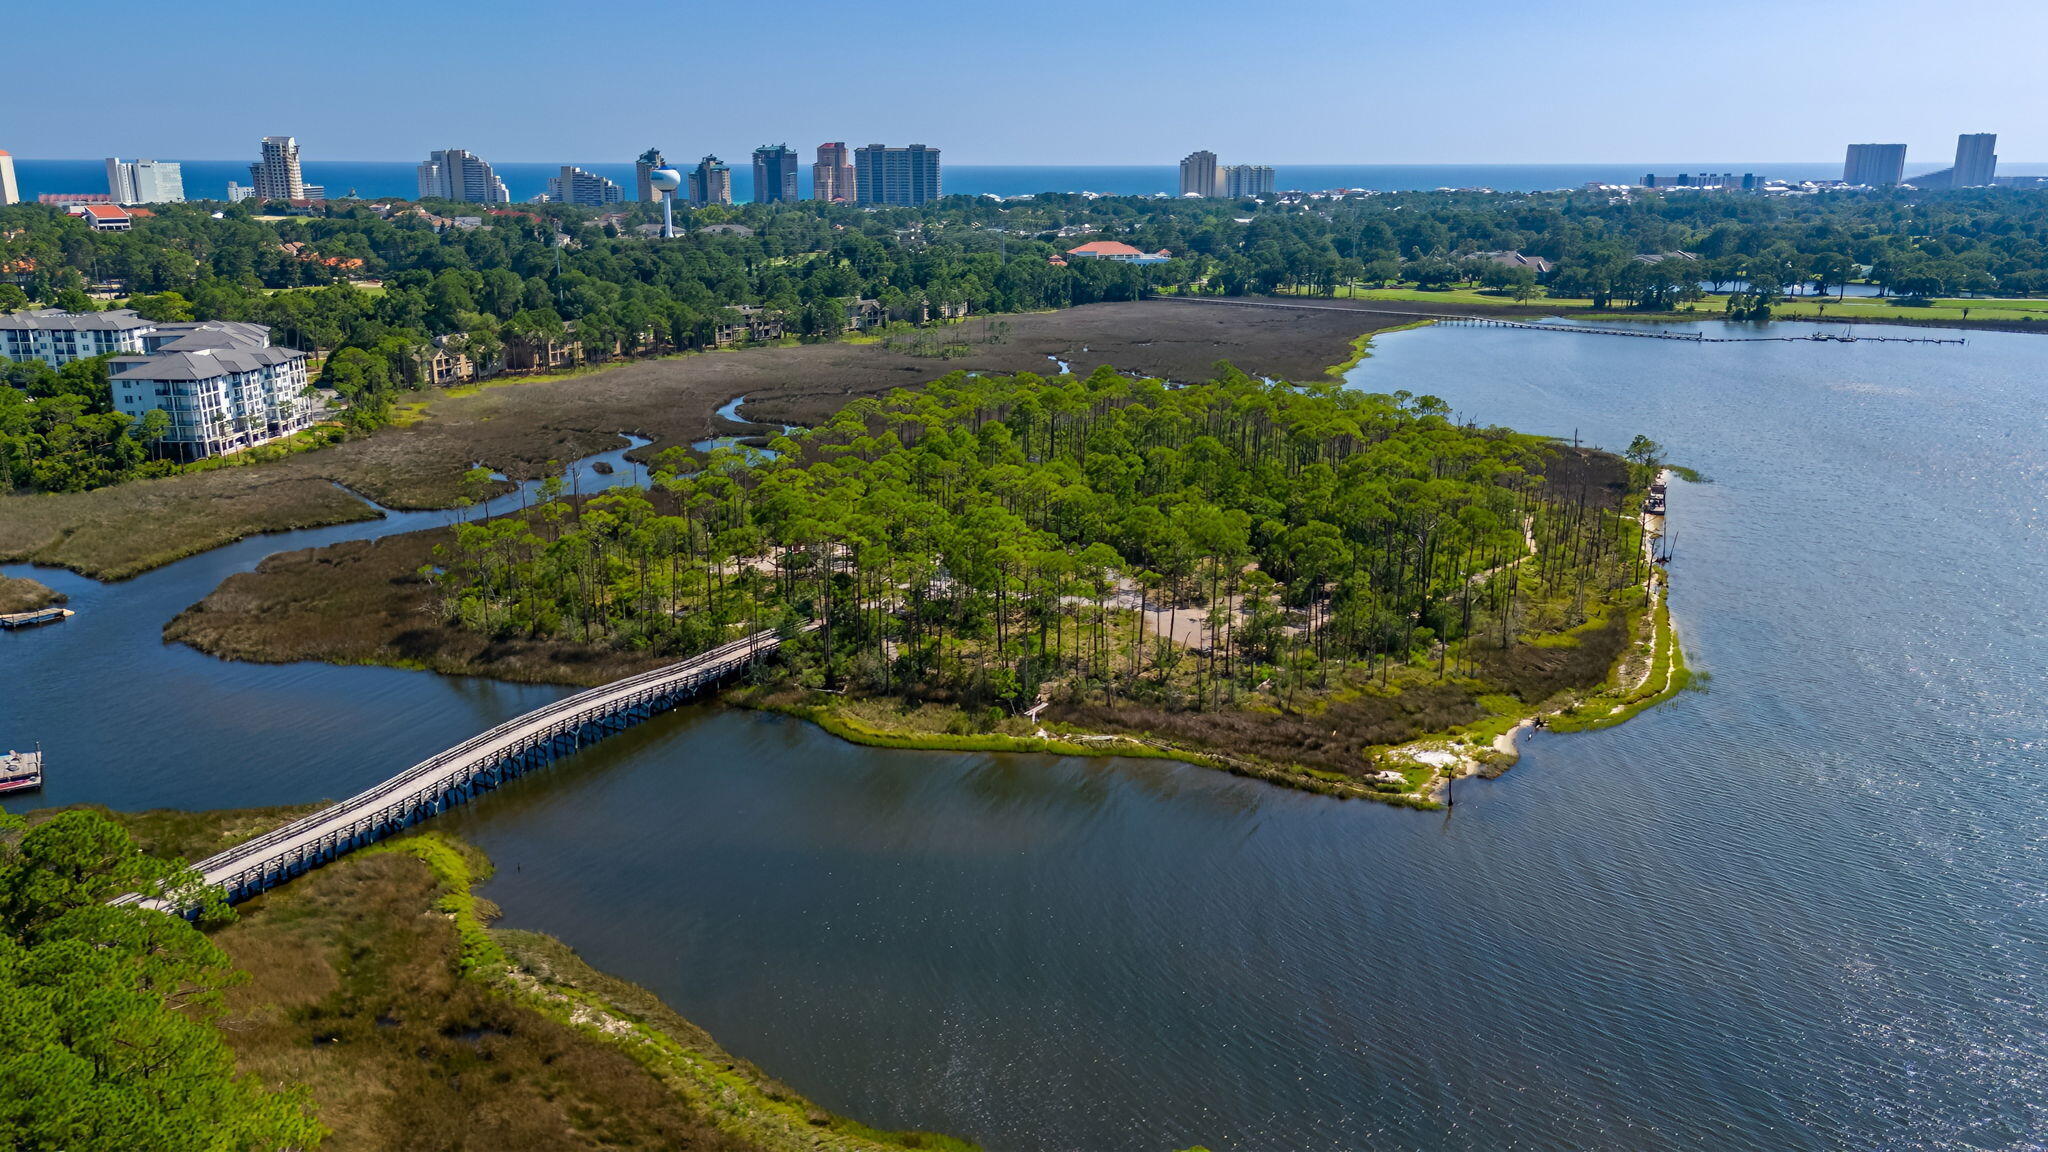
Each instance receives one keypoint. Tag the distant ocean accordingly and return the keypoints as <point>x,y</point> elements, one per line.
<point>208,179</point>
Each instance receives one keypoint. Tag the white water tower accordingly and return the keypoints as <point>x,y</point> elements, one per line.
<point>666,181</point>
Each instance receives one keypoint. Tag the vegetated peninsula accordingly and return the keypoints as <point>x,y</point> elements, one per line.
<point>21,594</point>
<point>367,1005</point>
<point>1328,588</point>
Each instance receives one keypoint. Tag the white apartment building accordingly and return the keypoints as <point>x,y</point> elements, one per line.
<point>145,181</point>
<point>223,384</point>
<point>10,192</point>
<point>1244,181</point>
<point>57,338</point>
<point>457,174</point>
<point>277,176</point>
<point>575,186</point>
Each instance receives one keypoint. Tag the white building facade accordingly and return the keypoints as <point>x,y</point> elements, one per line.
<point>1244,181</point>
<point>575,186</point>
<point>145,181</point>
<point>456,174</point>
<point>277,176</point>
<point>57,338</point>
<point>222,383</point>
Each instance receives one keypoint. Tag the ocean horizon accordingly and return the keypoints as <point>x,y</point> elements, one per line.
<point>208,179</point>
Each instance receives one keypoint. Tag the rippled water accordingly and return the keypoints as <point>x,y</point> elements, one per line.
<point>1801,910</point>
<point>132,722</point>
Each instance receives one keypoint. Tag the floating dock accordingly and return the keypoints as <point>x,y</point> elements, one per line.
<point>49,615</point>
<point>21,771</point>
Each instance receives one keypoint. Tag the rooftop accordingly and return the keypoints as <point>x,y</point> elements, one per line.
<point>204,364</point>
<point>1105,248</point>
<point>58,320</point>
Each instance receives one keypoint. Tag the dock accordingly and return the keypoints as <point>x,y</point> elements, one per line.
<point>50,615</point>
<point>21,771</point>
<point>1693,337</point>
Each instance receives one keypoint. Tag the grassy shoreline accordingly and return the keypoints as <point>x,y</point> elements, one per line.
<point>1485,747</point>
<point>21,594</point>
<point>2009,314</point>
<point>380,984</point>
<point>1361,348</point>
<point>548,976</point>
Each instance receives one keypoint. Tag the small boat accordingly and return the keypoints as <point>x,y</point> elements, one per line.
<point>30,619</point>
<point>21,771</point>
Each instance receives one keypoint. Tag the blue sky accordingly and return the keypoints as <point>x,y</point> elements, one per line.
<point>1029,81</point>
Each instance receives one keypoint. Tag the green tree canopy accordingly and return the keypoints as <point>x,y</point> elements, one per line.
<point>106,1012</point>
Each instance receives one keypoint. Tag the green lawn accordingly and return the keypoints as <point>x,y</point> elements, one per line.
<point>1474,297</point>
<point>1891,309</point>
<point>1803,308</point>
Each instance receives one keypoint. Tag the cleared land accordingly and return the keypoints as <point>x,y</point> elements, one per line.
<point>518,426</point>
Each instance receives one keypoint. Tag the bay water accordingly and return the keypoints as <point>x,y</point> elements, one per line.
<point>1806,908</point>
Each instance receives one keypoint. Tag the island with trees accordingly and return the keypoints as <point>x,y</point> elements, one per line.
<point>1332,589</point>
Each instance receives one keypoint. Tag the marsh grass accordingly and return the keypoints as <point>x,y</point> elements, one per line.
<point>21,594</point>
<point>377,983</point>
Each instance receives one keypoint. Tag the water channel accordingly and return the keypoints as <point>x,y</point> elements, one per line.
<point>1804,909</point>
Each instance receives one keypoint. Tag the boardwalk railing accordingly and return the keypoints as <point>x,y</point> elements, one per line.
<point>474,766</point>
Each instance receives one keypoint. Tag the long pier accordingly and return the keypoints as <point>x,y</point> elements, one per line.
<point>473,767</point>
<point>1466,320</point>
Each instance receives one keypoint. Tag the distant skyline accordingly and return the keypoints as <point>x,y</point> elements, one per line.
<point>1062,82</point>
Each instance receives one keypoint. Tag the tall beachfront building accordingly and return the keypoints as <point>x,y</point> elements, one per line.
<point>1875,165</point>
<point>832,176</point>
<point>774,174</point>
<point>1198,175</point>
<point>1244,181</point>
<point>575,186</point>
<point>643,174</point>
<point>10,192</point>
<point>1976,160</point>
<point>145,181</point>
<point>710,182</point>
<point>277,175</point>
<point>457,174</point>
<point>904,176</point>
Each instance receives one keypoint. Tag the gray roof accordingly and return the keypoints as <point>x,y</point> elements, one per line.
<point>218,334</point>
<point>58,320</point>
<point>201,365</point>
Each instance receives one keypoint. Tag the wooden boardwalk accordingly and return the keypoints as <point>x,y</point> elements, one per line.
<point>1461,319</point>
<point>471,768</point>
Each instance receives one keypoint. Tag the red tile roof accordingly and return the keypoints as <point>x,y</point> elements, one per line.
<point>105,211</point>
<point>1104,248</point>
